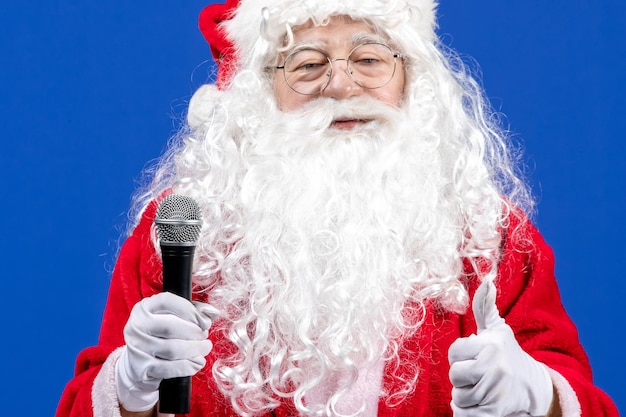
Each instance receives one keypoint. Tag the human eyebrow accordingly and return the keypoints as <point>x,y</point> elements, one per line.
<point>362,38</point>
<point>355,40</point>
<point>320,46</point>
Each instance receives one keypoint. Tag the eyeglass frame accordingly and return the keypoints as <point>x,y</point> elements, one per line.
<point>331,61</point>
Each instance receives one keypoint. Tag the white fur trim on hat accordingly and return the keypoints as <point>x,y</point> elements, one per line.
<point>259,26</point>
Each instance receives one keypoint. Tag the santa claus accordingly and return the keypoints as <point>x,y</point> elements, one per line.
<point>365,248</point>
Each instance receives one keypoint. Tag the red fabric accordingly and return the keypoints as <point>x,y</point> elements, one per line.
<point>221,47</point>
<point>528,299</point>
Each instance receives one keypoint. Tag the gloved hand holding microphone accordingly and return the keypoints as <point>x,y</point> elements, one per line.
<point>167,334</point>
<point>166,337</point>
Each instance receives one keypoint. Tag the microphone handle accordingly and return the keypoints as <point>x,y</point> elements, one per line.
<point>175,393</point>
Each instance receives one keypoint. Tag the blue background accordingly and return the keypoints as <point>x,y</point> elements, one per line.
<point>91,91</point>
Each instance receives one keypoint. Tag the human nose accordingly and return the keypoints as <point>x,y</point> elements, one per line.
<point>341,85</point>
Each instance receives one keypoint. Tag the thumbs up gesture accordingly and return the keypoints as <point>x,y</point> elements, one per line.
<point>490,373</point>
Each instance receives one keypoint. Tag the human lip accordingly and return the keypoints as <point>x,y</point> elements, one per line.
<point>348,123</point>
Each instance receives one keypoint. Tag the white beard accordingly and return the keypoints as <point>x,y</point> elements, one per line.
<point>342,235</point>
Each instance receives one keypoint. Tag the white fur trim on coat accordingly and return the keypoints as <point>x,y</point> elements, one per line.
<point>570,406</point>
<point>103,396</point>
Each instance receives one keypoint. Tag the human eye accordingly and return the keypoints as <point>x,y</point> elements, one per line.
<point>306,61</point>
<point>367,60</point>
<point>371,55</point>
<point>310,66</point>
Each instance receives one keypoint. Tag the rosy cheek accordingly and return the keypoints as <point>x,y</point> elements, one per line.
<point>292,101</point>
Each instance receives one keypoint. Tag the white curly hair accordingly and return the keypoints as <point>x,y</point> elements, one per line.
<point>323,254</point>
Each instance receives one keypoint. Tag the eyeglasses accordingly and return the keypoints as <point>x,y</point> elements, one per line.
<point>309,71</point>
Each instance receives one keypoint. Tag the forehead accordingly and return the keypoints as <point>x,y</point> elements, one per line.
<point>337,32</point>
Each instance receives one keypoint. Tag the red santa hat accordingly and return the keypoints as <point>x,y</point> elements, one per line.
<point>240,32</point>
<point>221,47</point>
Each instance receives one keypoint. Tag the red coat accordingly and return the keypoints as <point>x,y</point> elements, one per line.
<point>528,299</point>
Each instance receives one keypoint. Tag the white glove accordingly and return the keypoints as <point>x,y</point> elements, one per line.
<point>490,373</point>
<point>166,337</point>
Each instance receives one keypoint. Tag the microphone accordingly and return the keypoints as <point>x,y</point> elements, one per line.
<point>178,222</point>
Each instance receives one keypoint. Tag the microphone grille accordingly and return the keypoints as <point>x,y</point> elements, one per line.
<point>178,220</point>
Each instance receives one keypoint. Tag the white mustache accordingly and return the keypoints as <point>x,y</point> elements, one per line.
<point>320,113</point>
